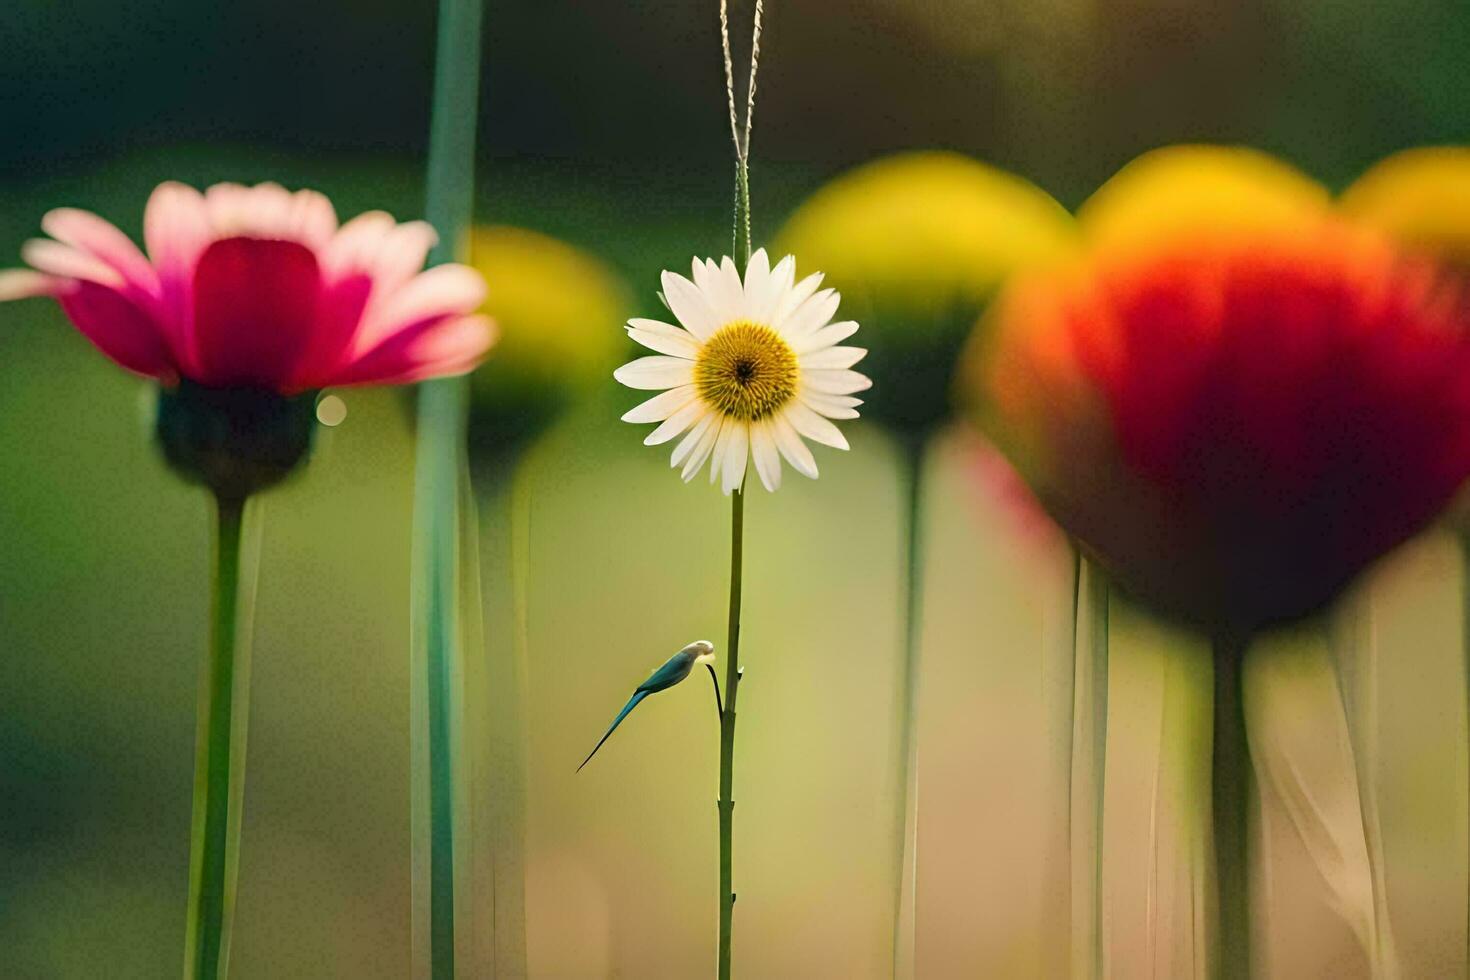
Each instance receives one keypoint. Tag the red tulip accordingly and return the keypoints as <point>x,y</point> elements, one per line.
<point>1236,424</point>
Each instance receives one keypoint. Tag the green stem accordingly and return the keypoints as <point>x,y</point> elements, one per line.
<point>733,674</point>
<point>219,760</point>
<point>1088,778</point>
<point>438,657</point>
<point>1231,807</point>
<point>733,671</point>
<point>906,872</point>
<point>1464,537</point>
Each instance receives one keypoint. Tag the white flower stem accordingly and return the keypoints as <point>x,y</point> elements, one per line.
<point>733,673</point>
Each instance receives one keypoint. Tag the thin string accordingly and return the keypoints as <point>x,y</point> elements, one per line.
<point>742,144</point>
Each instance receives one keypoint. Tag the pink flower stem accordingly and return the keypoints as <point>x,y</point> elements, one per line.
<point>219,760</point>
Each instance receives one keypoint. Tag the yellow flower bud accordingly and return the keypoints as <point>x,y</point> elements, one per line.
<point>1184,190</point>
<point>560,311</point>
<point>918,243</point>
<point>1420,198</point>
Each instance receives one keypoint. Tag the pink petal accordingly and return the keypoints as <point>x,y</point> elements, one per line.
<point>119,329</point>
<point>339,315</point>
<point>90,234</point>
<point>176,232</point>
<point>255,310</point>
<point>25,283</point>
<point>56,259</point>
<point>311,219</point>
<point>402,254</point>
<point>357,244</point>
<point>431,349</point>
<point>443,291</point>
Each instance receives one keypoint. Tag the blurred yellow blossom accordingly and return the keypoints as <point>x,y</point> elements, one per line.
<point>1178,190</point>
<point>1421,198</point>
<point>560,312</point>
<point>918,243</point>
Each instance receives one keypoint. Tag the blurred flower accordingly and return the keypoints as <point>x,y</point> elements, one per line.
<point>1420,198</point>
<point>1178,190</point>
<point>919,243</point>
<point>256,287</point>
<point>1236,424</point>
<point>556,307</point>
<point>249,300</point>
<point>754,369</point>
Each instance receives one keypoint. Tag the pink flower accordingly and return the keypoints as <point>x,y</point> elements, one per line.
<point>257,287</point>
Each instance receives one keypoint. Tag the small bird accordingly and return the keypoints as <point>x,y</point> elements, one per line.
<point>672,672</point>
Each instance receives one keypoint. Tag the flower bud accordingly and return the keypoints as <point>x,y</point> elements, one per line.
<point>560,311</point>
<point>917,244</point>
<point>1180,191</point>
<point>1421,199</point>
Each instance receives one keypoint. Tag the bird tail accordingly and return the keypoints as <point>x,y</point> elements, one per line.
<point>633,702</point>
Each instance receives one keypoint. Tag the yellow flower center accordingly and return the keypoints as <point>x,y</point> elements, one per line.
<point>746,371</point>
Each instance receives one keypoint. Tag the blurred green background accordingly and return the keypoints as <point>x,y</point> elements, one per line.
<point>603,124</point>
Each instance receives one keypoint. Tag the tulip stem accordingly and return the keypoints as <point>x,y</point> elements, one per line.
<point>1464,536</point>
<point>1088,777</point>
<point>906,856</point>
<point>1230,801</point>
<point>438,663</point>
<point>219,756</point>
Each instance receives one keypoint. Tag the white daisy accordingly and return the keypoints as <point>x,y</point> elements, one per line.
<point>752,368</point>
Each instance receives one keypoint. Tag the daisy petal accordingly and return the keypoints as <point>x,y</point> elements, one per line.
<point>692,437</point>
<point>717,455</point>
<point>703,448</point>
<point>737,455</point>
<point>757,282</point>
<point>763,452</point>
<point>660,406</point>
<point>664,338</point>
<point>791,446</point>
<point>811,316</point>
<point>832,333</point>
<point>656,372</point>
<point>690,306</point>
<point>808,423</point>
<point>724,293</point>
<point>833,358</point>
<point>798,295</point>
<point>782,278</point>
<point>832,406</point>
<point>691,412</point>
<point>834,382</point>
